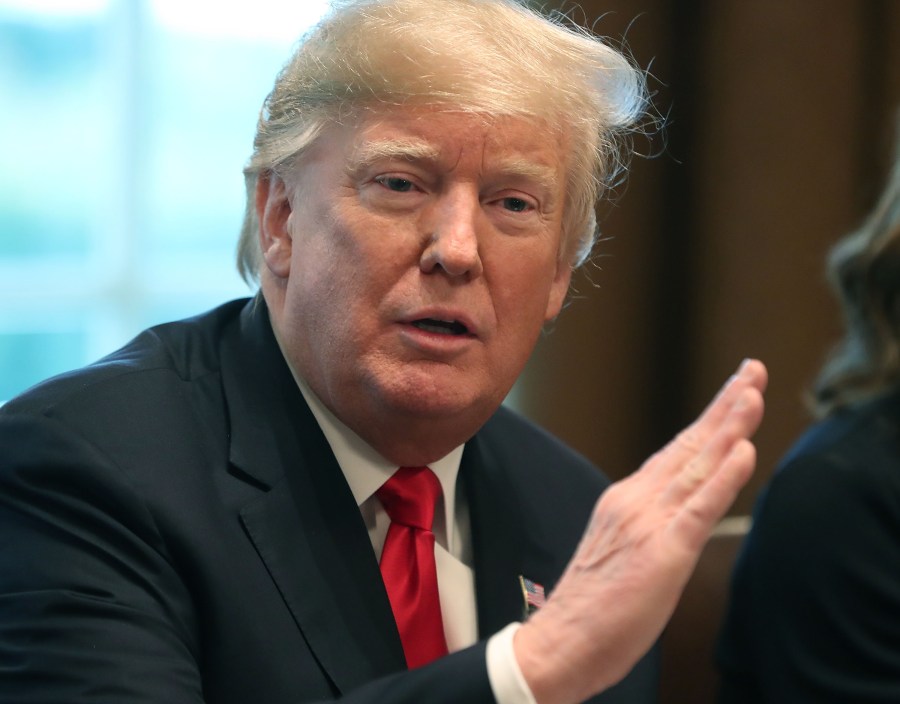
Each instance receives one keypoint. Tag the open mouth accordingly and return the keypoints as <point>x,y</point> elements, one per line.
<point>441,327</point>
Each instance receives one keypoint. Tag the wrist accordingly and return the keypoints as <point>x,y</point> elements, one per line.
<point>546,662</point>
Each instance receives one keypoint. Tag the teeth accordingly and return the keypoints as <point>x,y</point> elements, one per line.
<point>442,327</point>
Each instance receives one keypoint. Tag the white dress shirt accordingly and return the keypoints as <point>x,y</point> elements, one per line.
<point>365,471</point>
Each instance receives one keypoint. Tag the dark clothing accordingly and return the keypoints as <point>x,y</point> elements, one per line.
<point>815,610</point>
<point>175,528</point>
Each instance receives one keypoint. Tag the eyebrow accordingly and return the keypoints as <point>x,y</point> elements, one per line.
<point>413,150</point>
<point>532,170</point>
<point>403,150</point>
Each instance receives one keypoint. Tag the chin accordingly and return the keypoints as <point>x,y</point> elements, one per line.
<point>433,406</point>
<point>437,401</point>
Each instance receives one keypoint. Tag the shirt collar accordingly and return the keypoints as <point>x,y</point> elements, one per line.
<point>365,470</point>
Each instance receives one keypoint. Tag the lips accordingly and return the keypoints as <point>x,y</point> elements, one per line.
<point>450,323</point>
<point>440,327</point>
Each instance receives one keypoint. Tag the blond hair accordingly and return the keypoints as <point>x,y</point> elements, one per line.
<point>492,57</point>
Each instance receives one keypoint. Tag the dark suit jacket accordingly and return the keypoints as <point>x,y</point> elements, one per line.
<point>815,603</point>
<point>174,528</point>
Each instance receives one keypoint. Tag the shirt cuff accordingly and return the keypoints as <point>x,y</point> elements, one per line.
<point>507,681</point>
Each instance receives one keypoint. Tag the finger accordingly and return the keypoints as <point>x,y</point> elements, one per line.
<point>705,508</point>
<point>750,374</point>
<point>690,442</point>
<point>740,424</point>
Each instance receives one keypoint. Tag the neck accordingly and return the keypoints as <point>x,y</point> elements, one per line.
<point>419,441</point>
<point>400,439</point>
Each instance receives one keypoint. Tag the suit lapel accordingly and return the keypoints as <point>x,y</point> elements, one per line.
<point>497,543</point>
<point>305,524</point>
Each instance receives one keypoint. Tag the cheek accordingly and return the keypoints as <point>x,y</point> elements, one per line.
<point>335,290</point>
<point>315,288</point>
<point>522,282</point>
<point>326,254</point>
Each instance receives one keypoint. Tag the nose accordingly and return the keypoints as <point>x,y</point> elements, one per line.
<point>453,242</point>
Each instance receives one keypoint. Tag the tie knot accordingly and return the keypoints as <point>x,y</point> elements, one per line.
<point>410,495</point>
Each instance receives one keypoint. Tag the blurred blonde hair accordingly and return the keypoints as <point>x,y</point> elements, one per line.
<point>491,57</point>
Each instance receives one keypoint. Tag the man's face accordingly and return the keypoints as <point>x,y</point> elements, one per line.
<point>412,261</point>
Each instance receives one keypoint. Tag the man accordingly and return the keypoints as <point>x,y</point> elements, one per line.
<point>201,515</point>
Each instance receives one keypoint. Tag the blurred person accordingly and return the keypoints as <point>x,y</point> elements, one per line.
<point>815,602</point>
<point>315,494</point>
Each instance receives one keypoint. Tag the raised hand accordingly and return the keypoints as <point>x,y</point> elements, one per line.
<point>639,549</point>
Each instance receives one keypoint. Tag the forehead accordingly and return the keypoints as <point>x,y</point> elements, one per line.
<point>519,146</point>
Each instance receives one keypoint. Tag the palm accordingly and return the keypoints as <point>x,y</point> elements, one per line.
<point>642,543</point>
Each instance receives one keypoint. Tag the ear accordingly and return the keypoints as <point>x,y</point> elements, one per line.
<point>273,210</point>
<point>559,289</point>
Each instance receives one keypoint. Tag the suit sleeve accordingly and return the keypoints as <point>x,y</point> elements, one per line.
<point>815,612</point>
<point>92,605</point>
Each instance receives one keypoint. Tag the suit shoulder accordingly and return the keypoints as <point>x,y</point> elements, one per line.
<point>524,444</point>
<point>834,499</point>
<point>848,459</point>
<point>179,351</point>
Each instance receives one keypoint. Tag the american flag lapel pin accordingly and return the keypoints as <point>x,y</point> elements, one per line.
<point>532,595</point>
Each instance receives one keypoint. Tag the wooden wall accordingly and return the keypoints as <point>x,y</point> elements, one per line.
<point>780,126</point>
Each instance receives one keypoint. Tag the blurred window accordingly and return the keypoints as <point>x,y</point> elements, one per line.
<point>124,127</point>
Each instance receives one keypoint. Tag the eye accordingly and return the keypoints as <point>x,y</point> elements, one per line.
<point>517,205</point>
<point>395,183</point>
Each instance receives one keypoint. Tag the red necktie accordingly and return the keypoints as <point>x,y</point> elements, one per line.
<point>407,563</point>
